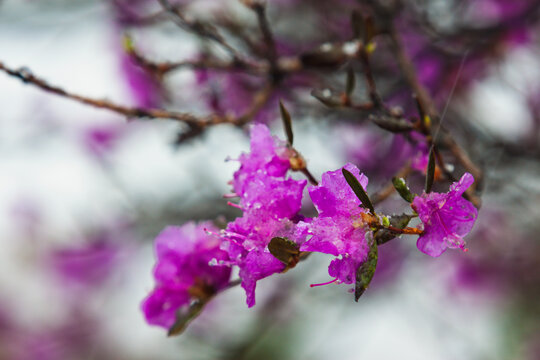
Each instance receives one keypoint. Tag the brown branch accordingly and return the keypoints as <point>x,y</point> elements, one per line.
<point>131,112</point>
<point>194,122</point>
<point>370,80</point>
<point>406,231</point>
<point>428,105</point>
<point>309,176</point>
<point>260,10</point>
<point>206,31</point>
<point>162,68</point>
<point>389,189</point>
<point>409,72</point>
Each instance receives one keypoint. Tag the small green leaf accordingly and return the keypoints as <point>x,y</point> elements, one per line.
<point>365,272</point>
<point>402,189</point>
<point>284,250</point>
<point>392,124</point>
<point>430,174</point>
<point>287,123</point>
<point>351,81</point>
<point>358,190</point>
<point>183,318</point>
<point>399,221</point>
<point>127,43</point>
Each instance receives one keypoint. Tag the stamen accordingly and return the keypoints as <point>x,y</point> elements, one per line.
<point>209,232</point>
<point>322,284</point>
<point>231,235</point>
<point>234,205</point>
<point>230,196</point>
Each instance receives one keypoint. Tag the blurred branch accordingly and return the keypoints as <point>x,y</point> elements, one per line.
<point>428,105</point>
<point>259,7</point>
<point>389,189</point>
<point>203,30</point>
<point>192,121</point>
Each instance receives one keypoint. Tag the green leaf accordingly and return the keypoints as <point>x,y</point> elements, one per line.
<point>127,43</point>
<point>351,81</point>
<point>430,175</point>
<point>395,125</point>
<point>399,221</point>
<point>358,190</point>
<point>183,317</point>
<point>365,272</point>
<point>402,189</point>
<point>287,123</point>
<point>284,250</point>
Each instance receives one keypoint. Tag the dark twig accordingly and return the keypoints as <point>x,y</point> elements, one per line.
<point>389,189</point>
<point>206,31</point>
<point>428,105</point>
<point>310,177</point>
<point>370,79</point>
<point>131,112</point>
<point>259,100</point>
<point>259,8</point>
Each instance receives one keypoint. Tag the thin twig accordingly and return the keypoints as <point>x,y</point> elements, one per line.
<point>203,30</point>
<point>389,189</point>
<point>27,77</point>
<point>260,10</point>
<point>309,176</point>
<point>259,100</point>
<point>427,103</point>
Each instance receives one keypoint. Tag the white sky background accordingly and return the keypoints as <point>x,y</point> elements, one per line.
<point>42,162</point>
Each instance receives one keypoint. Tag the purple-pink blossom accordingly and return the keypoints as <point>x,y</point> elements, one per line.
<point>144,87</point>
<point>188,264</point>
<point>340,228</point>
<point>447,218</point>
<point>268,158</point>
<point>270,203</point>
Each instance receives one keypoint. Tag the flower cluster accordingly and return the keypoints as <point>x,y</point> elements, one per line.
<point>195,261</point>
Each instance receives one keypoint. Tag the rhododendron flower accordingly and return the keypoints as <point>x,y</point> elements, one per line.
<point>447,218</point>
<point>248,248</point>
<point>183,271</point>
<point>270,202</point>
<point>340,229</point>
<point>269,157</point>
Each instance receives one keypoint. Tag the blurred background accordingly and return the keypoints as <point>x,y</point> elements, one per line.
<point>83,192</point>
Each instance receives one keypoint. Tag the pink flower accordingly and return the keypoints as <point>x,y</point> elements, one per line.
<point>268,158</point>
<point>340,229</point>
<point>183,270</point>
<point>270,203</point>
<point>447,218</point>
